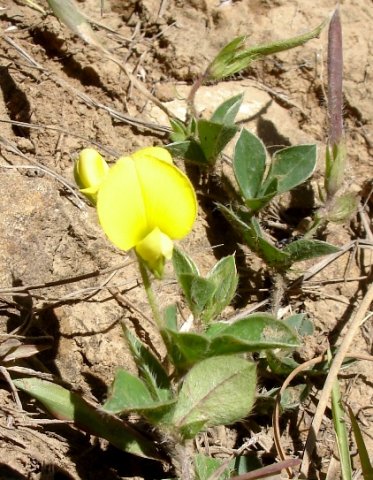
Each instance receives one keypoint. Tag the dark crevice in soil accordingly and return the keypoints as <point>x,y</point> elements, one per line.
<point>55,49</point>
<point>16,102</point>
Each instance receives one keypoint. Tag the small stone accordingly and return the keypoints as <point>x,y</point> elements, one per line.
<point>25,145</point>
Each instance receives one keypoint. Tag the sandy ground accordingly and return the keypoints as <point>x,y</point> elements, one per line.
<point>56,265</point>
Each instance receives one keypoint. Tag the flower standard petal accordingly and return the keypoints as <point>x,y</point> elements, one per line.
<point>169,197</point>
<point>120,205</point>
<point>157,152</point>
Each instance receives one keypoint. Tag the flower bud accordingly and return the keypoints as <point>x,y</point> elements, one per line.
<point>89,172</point>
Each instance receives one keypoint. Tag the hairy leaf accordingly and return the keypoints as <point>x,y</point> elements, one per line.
<point>66,405</point>
<point>219,390</point>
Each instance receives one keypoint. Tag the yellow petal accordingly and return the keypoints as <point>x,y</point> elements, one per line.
<point>120,205</point>
<point>90,169</point>
<point>169,197</point>
<point>155,249</point>
<point>156,152</point>
<point>154,246</point>
<point>141,193</point>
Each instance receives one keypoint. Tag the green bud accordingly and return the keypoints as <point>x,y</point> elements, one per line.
<point>343,208</point>
<point>335,168</point>
<point>235,57</point>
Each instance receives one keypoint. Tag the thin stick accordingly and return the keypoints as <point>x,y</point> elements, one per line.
<point>276,410</point>
<point>94,103</point>
<point>64,281</point>
<point>291,376</point>
<point>124,302</point>
<point>268,470</point>
<point>12,148</point>
<point>333,372</point>
<point>6,375</point>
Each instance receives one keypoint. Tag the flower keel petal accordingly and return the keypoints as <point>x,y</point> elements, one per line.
<point>155,249</point>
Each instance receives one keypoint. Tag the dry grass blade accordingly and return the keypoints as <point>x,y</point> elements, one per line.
<point>276,411</point>
<point>357,321</point>
<point>35,6</point>
<point>269,470</point>
<point>366,466</point>
<point>68,12</point>
<point>340,429</point>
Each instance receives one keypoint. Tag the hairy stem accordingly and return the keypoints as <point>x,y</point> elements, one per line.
<point>150,294</point>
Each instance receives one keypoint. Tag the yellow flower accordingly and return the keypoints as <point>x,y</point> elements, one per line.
<point>90,169</point>
<point>145,202</point>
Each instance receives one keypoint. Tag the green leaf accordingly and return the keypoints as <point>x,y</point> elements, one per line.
<point>292,397</point>
<point>234,57</point>
<point>170,317</point>
<point>249,164</point>
<point>366,466</point>
<point>335,165</point>
<point>205,467</point>
<point>189,150</point>
<point>273,256</point>
<point>179,131</point>
<point>183,264</point>
<point>186,271</point>
<point>253,333</point>
<point>150,369</point>
<point>216,391</point>
<point>305,249</point>
<point>280,364</point>
<point>66,405</point>
<point>256,332</point>
<point>184,348</point>
<point>226,113</point>
<point>260,202</point>
<point>224,63</point>
<point>213,137</point>
<point>225,279</point>
<point>129,394</point>
<point>202,292</point>
<point>300,323</point>
<point>206,297</point>
<point>291,166</point>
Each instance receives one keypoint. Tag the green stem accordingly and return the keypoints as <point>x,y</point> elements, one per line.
<point>317,224</point>
<point>150,294</point>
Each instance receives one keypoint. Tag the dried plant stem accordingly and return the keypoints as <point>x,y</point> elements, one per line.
<point>268,471</point>
<point>276,411</point>
<point>357,321</point>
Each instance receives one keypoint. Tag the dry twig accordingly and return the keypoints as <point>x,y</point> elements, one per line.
<point>357,321</point>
